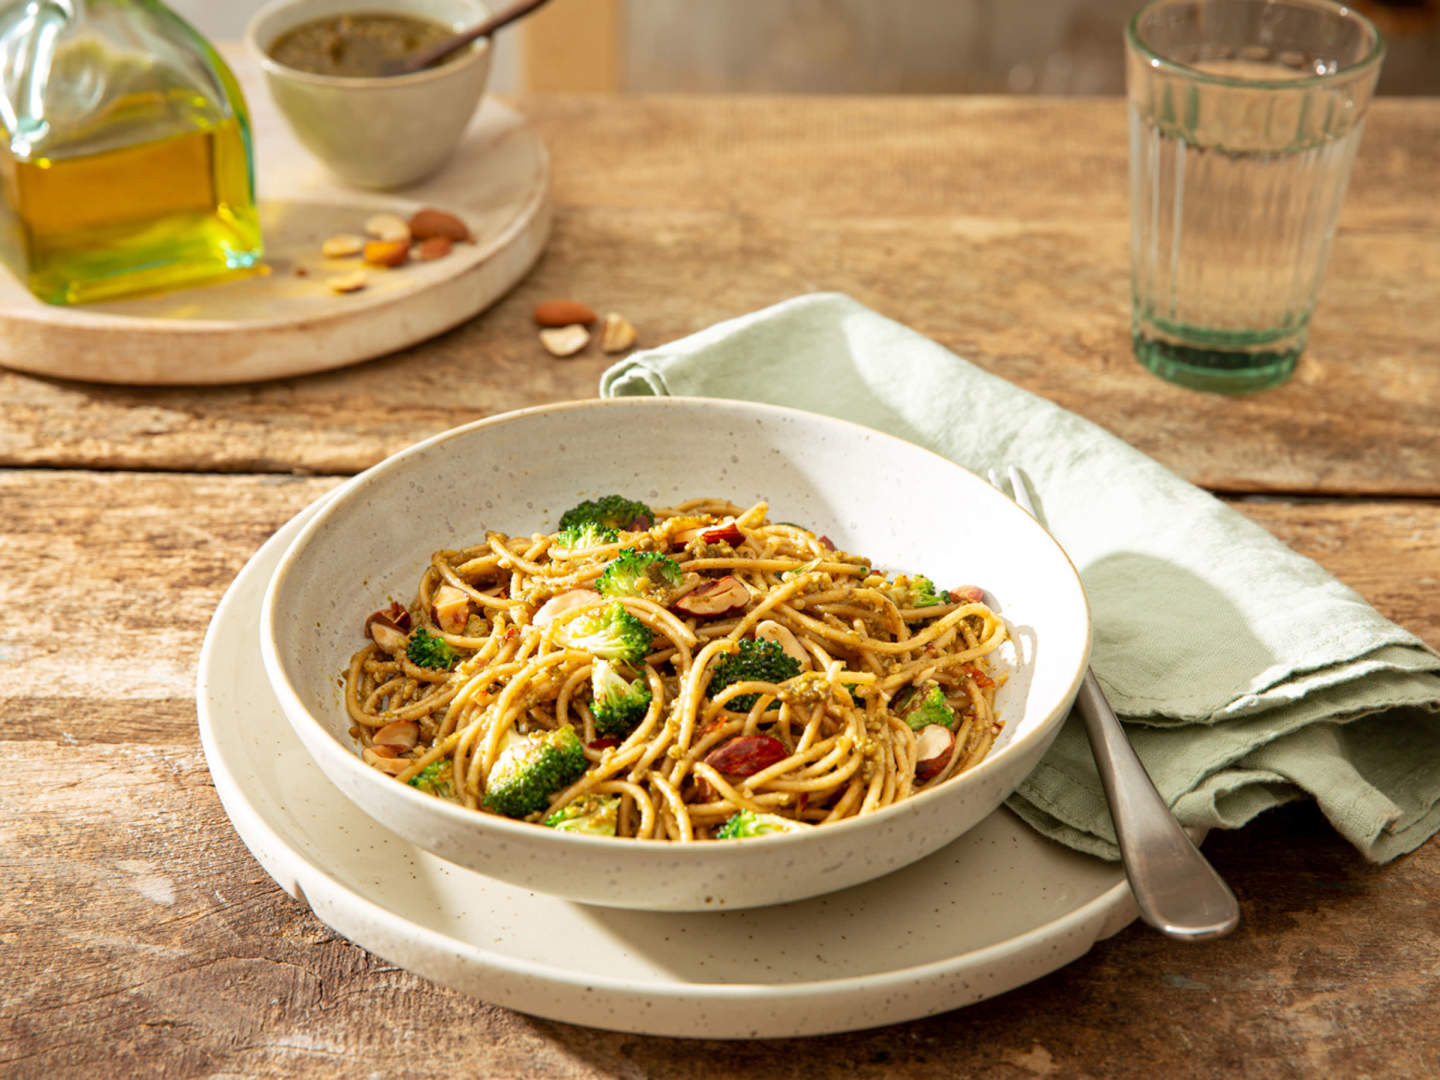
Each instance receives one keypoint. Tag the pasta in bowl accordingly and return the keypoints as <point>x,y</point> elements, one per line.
<point>737,683</point>
<point>689,673</point>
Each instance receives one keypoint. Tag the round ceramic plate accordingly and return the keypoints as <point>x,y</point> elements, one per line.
<point>995,909</point>
<point>287,321</point>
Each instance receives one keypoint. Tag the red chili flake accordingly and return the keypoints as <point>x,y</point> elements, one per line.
<point>605,743</point>
<point>981,679</point>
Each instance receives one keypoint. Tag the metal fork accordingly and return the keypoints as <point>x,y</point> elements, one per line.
<point>1178,891</point>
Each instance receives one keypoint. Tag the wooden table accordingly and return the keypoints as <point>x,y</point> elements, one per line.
<point>139,936</point>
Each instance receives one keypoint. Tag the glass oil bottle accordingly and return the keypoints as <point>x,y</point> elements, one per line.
<point>125,156</point>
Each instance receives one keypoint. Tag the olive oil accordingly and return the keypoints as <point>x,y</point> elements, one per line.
<point>154,215</point>
<point>125,156</point>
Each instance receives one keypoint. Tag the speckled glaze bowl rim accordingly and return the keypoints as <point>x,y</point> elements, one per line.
<point>473,54</point>
<point>292,704</point>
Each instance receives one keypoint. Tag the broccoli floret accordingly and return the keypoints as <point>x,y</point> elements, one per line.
<point>531,769</point>
<point>749,823</point>
<point>928,707</point>
<point>910,591</point>
<point>593,815</point>
<point>919,592</point>
<point>609,512</point>
<point>428,651</point>
<point>435,779</point>
<point>617,705</point>
<point>612,633</point>
<point>585,535</point>
<point>640,573</point>
<point>757,661</point>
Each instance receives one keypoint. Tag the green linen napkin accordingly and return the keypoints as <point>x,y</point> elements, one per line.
<point>1246,674</point>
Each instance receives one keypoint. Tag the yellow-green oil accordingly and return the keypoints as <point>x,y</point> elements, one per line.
<point>159,214</point>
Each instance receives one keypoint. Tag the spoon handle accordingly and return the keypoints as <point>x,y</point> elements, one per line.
<point>1177,890</point>
<point>420,61</point>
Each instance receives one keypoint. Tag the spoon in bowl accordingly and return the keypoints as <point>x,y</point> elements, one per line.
<point>420,61</point>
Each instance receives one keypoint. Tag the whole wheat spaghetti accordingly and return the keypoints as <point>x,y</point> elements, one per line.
<point>686,673</point>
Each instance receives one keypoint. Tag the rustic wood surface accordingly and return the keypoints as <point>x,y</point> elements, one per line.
<point>998,227</point>
<point>140,938</point>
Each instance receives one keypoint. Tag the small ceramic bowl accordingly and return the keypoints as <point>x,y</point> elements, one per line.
<point>872,494</point>
<point>383,132</point>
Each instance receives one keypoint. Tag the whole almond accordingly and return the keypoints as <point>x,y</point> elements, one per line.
<point>389,227</point>
<point>564,340</point>
<point>430,222</point>
<point>436,247</point>
<point>342,246</point>
<point>346,283</point>
<point>563,313</point>
<point>387,252</point>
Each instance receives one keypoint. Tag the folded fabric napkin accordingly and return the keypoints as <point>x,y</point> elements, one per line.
<point>1247,675</point>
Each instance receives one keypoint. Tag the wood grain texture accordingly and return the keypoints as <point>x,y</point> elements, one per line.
<point>141,939</point>
<point>996,226</point>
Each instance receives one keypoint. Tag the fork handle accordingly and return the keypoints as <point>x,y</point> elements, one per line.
<point>1178,891</point>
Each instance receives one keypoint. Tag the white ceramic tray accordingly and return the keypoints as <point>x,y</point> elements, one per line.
<point>999,907</point>
<point>282,324</point>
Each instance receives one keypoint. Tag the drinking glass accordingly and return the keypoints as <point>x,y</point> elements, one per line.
<point>1244,120</point>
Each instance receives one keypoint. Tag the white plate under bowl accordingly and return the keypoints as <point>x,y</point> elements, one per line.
<point>1000,906</point>
<point>874,494</point>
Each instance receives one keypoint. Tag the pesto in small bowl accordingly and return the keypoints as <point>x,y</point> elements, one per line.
<point>356,45</point>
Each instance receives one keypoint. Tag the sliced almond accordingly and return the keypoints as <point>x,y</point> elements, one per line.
<point>387,252</point>
<point>395,616</point>
<point>565,340</point>
<point>384,762</point>
<point>388,638</point>
<point>617,335</point>
<point>450,607</point>
<point>561,603</point>
<point>399,735</point>
<point>770,630</point>
<point>933,750</point>
<point>346,283</point>
<point>342,246</point>
<point>719,597</point>
<point>391,228</point>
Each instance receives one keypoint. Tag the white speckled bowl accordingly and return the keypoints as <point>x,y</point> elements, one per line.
<point>871,493</point>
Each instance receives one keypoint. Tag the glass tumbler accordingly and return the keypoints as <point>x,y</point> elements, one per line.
<point>1244,120</point>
